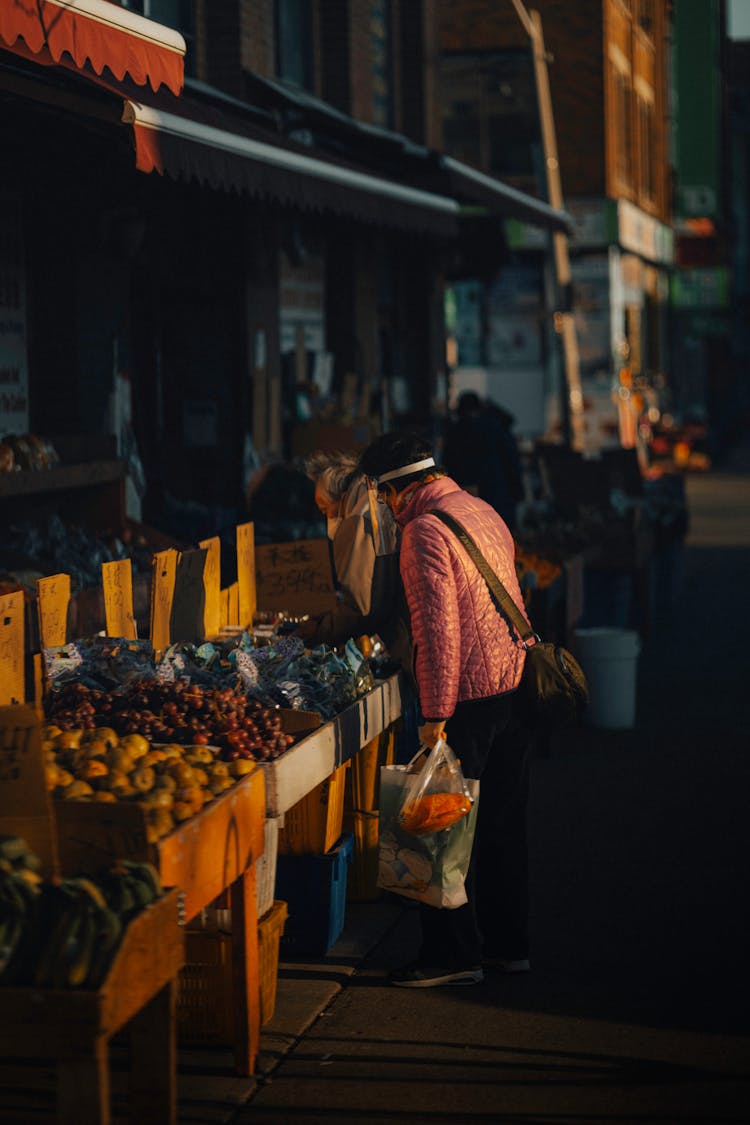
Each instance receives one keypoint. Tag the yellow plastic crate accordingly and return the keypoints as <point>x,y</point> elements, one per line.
<point>270,930</point>
<point>314,824</point>
<point>205,1000</point>
<point>361,816</point>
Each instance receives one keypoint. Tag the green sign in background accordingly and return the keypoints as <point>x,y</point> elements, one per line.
<point>696,88</point>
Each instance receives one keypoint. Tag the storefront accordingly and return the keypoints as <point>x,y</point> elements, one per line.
<point>620,261</point>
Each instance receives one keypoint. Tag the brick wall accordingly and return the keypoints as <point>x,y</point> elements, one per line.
<point>257,48</point>
<point>335,67</point>
<point>573,36</point>
<point>222,42</point>
<point>360,60</point>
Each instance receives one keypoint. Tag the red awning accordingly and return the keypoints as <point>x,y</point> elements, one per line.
<point>75,33</point>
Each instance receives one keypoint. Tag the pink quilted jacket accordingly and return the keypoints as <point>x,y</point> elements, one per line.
<point>463,648</point>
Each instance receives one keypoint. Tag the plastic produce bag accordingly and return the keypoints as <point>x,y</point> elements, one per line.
<point>431,866</point>
<point>435,794</point>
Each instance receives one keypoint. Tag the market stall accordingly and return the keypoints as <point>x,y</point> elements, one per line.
<point>191,756</point>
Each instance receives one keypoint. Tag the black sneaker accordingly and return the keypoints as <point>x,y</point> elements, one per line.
<point>508,964</point>
<point>426,976</point>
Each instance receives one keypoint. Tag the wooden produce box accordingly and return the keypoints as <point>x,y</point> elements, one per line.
<point>202,856</point>
<point>317,755</point>
<point>72,1027</point>
<point>316,822</point>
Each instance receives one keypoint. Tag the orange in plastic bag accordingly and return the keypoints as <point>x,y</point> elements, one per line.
<point>433,812</point>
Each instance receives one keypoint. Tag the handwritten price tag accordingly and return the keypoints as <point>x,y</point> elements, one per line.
<point>246,573</point>
<point>212,586</point>
<point>164,568</point>
<point>295,576</point>
<point>12,683</point>
<point>53,599</point>
<point>117,583</point>
<point>24,801</point>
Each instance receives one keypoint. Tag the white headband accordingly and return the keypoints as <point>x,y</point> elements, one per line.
<point>428,463</point>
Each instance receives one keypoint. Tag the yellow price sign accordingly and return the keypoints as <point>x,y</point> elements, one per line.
<point>246,573</point>
<point>117,583</point>
<point>233,604</point>
<point>12,680</point>
<point>163,571</point>
<point>212,586</point>
<point>53,599</point>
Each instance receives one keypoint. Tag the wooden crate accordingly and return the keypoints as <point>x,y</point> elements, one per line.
<point>205,1007</point>
<point>315,823</point>
<point>201,856</point>
<point>73,1027</point>
<point>204,856</point>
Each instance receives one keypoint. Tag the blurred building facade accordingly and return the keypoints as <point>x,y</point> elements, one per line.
<point>703,380</point>
<point>608,72</point>
<point>739,178</point>
<point>234,252</point>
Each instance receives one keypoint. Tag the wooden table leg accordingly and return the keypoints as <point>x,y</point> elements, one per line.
<point>245,971</point>
<point>365,776</point>
<point>153,1060</point>
<point>83,1087</point>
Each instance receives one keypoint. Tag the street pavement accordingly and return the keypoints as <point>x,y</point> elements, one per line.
<point>636,1009</point>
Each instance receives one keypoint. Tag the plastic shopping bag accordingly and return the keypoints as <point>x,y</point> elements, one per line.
<point>435,794</point>
<point>431,866</point>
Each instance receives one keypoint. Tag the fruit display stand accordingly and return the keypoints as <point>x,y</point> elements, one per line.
<point>318,754</point>
<point>212,852</point>
<point>73,1028</point>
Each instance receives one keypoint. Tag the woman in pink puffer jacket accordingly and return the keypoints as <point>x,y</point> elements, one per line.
<point>467,663</point>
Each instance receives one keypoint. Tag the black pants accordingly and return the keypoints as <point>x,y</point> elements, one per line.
<point>494,748</point>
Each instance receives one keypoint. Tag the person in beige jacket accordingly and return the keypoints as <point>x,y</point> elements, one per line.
<point>364,546</point>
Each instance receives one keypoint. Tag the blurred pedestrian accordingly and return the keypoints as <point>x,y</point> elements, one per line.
<point>481,454</point>
<point>467,664</point>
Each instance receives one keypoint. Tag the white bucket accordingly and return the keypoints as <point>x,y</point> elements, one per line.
<point>609,658</point>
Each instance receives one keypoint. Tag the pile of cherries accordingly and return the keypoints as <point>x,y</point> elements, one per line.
<point>176,711</point>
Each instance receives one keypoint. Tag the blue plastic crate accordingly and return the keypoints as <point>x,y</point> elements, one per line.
<point>314,888</point>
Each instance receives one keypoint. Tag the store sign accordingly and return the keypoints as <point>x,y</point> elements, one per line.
<point>642,234</point>
<point>591,309</point>
<point>700,288</point>
<point>14,376</point>
<point>594,226</point>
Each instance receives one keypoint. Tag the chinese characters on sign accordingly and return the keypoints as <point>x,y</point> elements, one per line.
<point>295,577</point>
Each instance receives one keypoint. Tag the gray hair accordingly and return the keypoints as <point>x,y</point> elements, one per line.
<point>334,472</point>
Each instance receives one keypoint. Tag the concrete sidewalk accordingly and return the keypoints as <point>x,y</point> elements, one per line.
<point>637,1006</point>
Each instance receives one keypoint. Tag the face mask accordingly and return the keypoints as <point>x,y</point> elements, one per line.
<point>333,525</point>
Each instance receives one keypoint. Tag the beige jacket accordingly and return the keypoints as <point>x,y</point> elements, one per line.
<point>365,560</point>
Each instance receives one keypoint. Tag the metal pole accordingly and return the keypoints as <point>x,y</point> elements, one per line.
<point>572,404</point>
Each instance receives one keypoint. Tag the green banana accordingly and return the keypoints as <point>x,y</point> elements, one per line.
<point>76,972</point>
<point>64,907</point>
<point>109,932</point>
<point>148,874</point>
<point>13,914</point>
<point>11,931</point>
<point>120,896</point>
<point>141,892</point>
